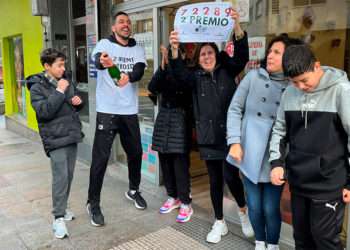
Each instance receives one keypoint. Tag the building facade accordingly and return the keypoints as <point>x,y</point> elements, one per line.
<point>21,39</point>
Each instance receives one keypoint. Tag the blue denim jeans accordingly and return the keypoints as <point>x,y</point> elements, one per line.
<point>263,200</point>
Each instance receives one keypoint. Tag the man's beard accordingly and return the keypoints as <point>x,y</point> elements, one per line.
<point>125,38</point>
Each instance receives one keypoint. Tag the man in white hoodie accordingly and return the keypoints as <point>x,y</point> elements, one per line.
<point>314,119</point>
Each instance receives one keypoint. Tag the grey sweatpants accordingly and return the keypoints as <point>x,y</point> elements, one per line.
<point>62,166</point>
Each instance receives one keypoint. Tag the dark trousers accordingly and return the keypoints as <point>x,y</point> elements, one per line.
<point>317,223</point>
<point>220,170</point>
<point>263,201</point>
<point>176,175</point>
<point>107,126</point>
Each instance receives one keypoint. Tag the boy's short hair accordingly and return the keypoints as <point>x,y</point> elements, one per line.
<point>297,60</point>
<point>50,55</point>
<point>119,13</point>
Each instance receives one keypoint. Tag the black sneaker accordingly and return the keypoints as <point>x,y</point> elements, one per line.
<point>96,216</point>
<point>139,202</point>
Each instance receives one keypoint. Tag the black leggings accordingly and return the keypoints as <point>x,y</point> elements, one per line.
<point>176,175</point>
<point>218,171</point>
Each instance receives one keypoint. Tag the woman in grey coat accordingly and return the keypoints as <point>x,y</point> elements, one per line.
<point>251,115</point>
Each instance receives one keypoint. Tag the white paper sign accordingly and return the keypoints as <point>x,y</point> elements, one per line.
<point>242,7</point>
<point>204,22</point>
<point>256,47</point>
<point>256,52</point>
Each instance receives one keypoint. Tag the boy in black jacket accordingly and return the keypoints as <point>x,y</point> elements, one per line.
<point>314,119</point>
<point>55,102</point>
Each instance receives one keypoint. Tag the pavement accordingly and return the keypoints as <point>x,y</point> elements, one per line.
<point>25,209</point>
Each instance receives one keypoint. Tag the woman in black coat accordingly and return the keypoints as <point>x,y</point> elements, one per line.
<point>212,85</point>
<point>172,139</point>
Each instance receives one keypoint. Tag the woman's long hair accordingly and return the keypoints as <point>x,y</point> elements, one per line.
<point>283,38</point>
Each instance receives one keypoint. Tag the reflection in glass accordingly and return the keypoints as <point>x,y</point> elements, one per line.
<point>19,66</point>
<point>81,68</point>
<point>143,34</point>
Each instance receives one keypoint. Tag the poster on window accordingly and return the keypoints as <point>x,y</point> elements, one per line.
<point>204,22</point>
<point>145,40</point>
<point>149,157</point>
<point>242,7</point>
<point>257,46</point>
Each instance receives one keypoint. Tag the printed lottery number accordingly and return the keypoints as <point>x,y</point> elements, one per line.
<point>228,11</point>
<point>206,10</point>
<point>217,12</point>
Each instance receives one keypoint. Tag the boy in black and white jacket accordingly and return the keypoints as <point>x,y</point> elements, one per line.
<point>314,119</point>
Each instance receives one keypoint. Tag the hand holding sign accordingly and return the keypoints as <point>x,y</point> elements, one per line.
<point>174,43</point>
<point>164,52</point>
<point>205,22</point>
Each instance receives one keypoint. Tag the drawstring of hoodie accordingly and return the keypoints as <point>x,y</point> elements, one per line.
<point>304,109</point>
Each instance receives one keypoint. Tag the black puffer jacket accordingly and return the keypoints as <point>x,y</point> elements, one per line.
<point>212,94</point>
<point>172,129</point>
<point>58,119</point>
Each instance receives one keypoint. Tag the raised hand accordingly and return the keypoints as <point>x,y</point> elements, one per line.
<point>235,16</point>
<point>174,42</point>
<point>165,59</point>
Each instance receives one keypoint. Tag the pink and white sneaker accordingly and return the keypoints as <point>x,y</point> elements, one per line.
<point>185,213</point>
<point>170,205</point>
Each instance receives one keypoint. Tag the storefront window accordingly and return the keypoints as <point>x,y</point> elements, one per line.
<point>80,55</point>
<point>142,29</point>
<point>79,8</point>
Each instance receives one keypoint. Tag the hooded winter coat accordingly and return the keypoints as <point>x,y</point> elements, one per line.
<point>58,119</point>
<point>172,129</point>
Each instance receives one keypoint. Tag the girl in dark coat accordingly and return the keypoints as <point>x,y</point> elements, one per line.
<point>212,86</point>
<point>171,139</point>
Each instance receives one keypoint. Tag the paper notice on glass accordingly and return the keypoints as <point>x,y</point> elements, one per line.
<point>257,47</point>
<point>242,7</point>
<point>204,22</point>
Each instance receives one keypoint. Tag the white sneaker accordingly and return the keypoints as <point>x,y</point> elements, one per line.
<point>260,245</point>
<point>272,247</point>
<point>218,229</point>
<point>69,215</point>
<point>59,228</point>
<point>247,228</point>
